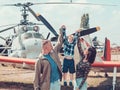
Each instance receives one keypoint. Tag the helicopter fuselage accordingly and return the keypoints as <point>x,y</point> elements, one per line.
<point>26,45</point>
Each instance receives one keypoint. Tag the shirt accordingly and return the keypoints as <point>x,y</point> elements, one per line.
<point>69,47</point>
<point>82,70</point>
<point>54,75</point>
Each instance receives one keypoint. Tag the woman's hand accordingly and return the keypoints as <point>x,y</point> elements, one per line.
<point>77,89</point>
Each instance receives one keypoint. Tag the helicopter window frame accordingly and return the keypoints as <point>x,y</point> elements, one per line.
<point>29,35</point>
<point>38,35</point>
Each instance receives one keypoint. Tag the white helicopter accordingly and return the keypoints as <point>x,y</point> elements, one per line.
<point>26,41</point>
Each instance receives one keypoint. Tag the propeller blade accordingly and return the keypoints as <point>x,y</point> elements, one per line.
<point>33,13</point>
<point>45,22</point>
<point>7,28</point>
<point>87,31</point>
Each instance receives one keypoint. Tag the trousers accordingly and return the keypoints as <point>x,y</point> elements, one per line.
<point>55,85</point>
<point>77,83</point>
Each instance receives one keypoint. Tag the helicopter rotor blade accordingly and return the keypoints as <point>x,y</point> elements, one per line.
<point>61,3</point>
<point>58,3</point>
<point>1,26</point>
<point>8,28</point>
<point>2,38</point>
<point>45,22</point>
<point>33,13</point>
<point>18,4</point>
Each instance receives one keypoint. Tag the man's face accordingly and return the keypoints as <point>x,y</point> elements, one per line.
<point>47,47</point>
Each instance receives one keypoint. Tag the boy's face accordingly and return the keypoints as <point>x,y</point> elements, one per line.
<point>70,38</point>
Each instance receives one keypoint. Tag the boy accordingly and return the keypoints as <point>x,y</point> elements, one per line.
<point>68,63</point>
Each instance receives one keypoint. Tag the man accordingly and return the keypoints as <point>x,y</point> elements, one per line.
<point>48,72</point>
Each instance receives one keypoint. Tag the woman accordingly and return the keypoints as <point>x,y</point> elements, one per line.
<point>83,67</point>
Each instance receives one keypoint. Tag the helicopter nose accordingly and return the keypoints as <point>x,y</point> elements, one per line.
<point>36,42</point>
<point>32,44</point>
<point>32,47</point>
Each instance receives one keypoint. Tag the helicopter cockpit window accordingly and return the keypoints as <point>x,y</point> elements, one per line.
<point>27,35</point>
<point>38,35</point>
<point>32,35</point>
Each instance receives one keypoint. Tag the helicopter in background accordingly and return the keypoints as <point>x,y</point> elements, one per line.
<point>98,45</point>
<point>15,44</point>
<point>26,41</point>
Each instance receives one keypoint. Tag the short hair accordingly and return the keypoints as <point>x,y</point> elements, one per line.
<point>45,42</point>
<point>91,54</point>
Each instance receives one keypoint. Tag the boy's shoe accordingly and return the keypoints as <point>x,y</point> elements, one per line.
<point>70,84</point>
<point>65,83</point>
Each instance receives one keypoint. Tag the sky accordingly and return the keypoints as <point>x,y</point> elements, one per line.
<point>107,17</point>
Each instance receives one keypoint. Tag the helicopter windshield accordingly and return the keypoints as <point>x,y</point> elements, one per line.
<point>38,35</point>
<point>32,35</point>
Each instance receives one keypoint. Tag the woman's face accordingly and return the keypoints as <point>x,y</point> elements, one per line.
<point>86,51</point>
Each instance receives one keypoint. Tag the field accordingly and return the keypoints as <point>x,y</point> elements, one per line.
<point>22,79</point>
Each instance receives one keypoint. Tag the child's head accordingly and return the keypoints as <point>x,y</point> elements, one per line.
<point>70,38</point>
<point>91,54</point>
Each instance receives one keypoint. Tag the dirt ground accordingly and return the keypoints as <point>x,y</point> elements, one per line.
<point>22,79</point>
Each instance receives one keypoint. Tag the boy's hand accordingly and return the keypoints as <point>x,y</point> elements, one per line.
<point>78,30</point>
<point>63,27</point>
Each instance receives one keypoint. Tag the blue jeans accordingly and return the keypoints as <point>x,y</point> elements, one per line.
<point>55,85</point>
<point>77,83</point>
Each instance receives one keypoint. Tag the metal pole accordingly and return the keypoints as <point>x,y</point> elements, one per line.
<point>114,77</point>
